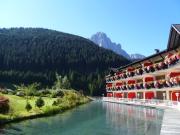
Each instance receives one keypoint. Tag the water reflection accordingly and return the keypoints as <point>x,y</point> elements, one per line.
<point>133,120</point>
<point>96,118</point>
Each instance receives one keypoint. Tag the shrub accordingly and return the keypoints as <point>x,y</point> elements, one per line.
<point>38,94</point>
<point>57,102</point>
<point>40,102</point>
<point>28,106</point>
<point>43,93</point>
<point>60,93</point>
<point>4,91</point>
<point>4,105</point>
<point>12,93</point>
<point>20,93</point>
<point>53,95</point>
<point>51,110</point>
<point>57,93</point>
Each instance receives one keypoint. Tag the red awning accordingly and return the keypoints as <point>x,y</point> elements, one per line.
<point>131,81</point>
<point>109,85</point>
<point>174,74</point>
<point>149,95</point>
<point>118,95</point>
<point>169,56</point>
<point>147,64</point>
<point>177,55</point>
<point>149,79</point>
<point>118,73</point>
<point>130,69</point>
<point>174,97</point>
<point>119,83</point>
<point>131,95</point>
<point>109,94</point>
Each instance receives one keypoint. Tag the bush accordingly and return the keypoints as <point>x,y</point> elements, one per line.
<point>57,93</point>
<point>40,102</point>
<point>4,105</point>
<point>43,93</point>
<point>28,106</point>
<point>53,95</point>
<point>20,93</point>
<point>30,93</point>
<point>38,94</point>
<point>51,110</point>
<point>57,102</point>
<point>12,93</point>
<point>4,91</point>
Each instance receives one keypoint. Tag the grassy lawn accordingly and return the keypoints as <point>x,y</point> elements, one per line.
<point>57,99</point>
<point>18,111</point>
<point>17,104</point>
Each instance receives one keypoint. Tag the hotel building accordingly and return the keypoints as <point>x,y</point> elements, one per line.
<point>154,77</point>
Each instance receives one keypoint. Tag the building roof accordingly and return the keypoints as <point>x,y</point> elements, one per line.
<point>174,37</point>
<point>173,43</point>
<point>177,26</point>
<point>142,60</point>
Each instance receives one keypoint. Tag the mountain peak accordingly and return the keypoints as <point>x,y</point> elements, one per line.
<point>101,34</point>
<point>102,40</point>
<point>137,56</point>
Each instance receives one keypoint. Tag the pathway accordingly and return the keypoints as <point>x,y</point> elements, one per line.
<point>171,122</point>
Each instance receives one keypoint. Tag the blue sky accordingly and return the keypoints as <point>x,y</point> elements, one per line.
<point>139,25</point>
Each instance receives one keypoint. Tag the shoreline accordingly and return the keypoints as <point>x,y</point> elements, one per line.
<point>52,112</point>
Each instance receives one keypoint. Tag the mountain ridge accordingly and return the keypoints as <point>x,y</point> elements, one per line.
<point>102,40</point>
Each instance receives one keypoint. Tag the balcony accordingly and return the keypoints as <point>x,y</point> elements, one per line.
<point>172,83</point>
<point>157,68</point>
<point>160,72</point>
<point>144,102</point>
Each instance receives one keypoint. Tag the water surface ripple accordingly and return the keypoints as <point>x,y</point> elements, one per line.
<point>95,118</point>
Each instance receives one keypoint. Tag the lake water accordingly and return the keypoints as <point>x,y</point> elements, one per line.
<point>95,118</point>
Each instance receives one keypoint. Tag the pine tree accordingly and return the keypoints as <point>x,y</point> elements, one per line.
<point>66,83</point>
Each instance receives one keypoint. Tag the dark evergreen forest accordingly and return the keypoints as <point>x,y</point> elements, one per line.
<point>29,55</point>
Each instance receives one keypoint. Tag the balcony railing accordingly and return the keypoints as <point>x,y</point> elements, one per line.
<point>152,85</point>
<point>145,102</point>
<point>144,70</point>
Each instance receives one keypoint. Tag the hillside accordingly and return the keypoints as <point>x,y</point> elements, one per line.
<point>34,55</point>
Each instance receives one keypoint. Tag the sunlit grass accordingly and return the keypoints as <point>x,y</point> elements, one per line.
<point>17,105</point>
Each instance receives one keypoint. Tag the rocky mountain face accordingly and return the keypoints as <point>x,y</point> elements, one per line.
<point>137,56</point>
<point>104,41</point>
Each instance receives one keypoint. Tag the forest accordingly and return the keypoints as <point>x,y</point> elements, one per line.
<point>29,55</point>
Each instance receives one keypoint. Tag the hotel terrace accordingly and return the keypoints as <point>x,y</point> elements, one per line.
<point>155,77</point>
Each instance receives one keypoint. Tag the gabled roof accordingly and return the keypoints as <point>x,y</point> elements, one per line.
<point>174,37</point>
<point>142,60</point>
<point>173,43</point>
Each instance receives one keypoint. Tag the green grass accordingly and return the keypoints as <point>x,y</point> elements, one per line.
<point>18,111</point>
<point>17,104</point>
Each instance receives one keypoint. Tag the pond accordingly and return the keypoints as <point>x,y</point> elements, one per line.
<point>95,118</point>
